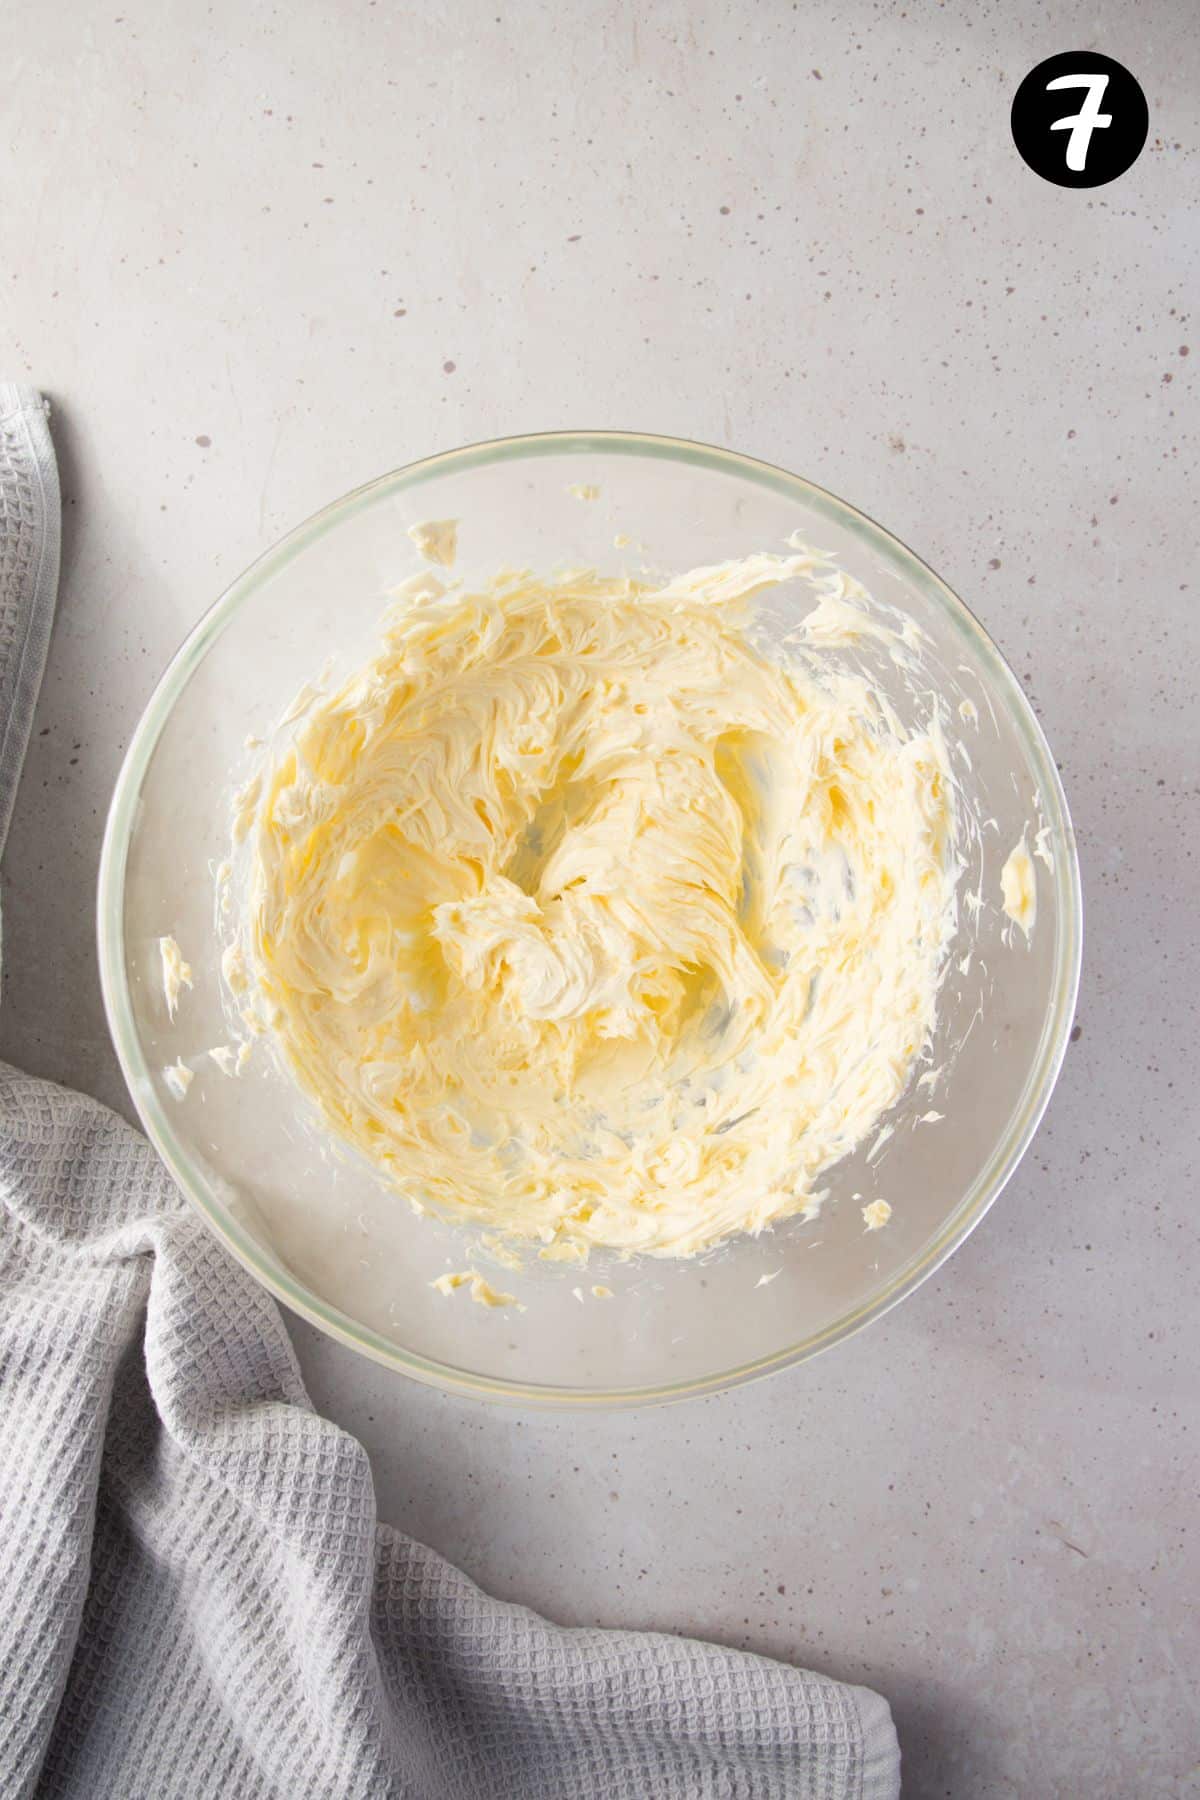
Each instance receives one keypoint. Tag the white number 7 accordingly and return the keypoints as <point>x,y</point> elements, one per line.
<point>1089,118</point>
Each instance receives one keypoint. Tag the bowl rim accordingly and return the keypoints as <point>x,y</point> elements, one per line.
<point>296,1295</point>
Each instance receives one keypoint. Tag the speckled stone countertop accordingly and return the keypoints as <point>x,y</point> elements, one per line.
<point>258,254</point>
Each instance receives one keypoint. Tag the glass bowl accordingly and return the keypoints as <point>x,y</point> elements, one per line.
<point>319,1230</point>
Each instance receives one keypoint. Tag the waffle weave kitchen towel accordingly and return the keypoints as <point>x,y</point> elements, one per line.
<point>196,1597</point>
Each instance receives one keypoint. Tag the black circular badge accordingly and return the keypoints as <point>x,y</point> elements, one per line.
<point>1080,119</point>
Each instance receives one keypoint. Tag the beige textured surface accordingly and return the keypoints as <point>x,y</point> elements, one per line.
<point>258,256</point>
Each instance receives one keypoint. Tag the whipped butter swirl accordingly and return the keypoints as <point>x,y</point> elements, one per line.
<point>578,916</point>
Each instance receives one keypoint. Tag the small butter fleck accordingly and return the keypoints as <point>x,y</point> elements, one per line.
<point>224,1058</point>
<point>876,1215</point>
<point>584,490</point>
<point>175,972</point>
<point>178,1078</point>
<point>482,1291</point>
<point>437,540</point>
<point>1018,885</point>
<point>600,1292</point>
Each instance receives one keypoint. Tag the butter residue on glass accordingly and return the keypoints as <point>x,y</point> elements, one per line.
<point>582,917</point>
<point>1018,885</point>
<point>437,540</point>
<point>481,1289</point>
<point>176,973</point>
<point>179,1077</point>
